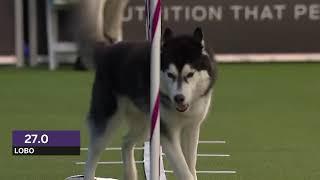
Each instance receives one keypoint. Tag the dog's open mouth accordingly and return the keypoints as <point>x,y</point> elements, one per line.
<point>182,107</point>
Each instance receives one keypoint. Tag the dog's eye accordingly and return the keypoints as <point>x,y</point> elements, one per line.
<point>171,76</point>
<point>190,75</point>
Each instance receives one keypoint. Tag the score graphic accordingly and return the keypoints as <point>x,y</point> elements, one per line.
<point>46,142</point>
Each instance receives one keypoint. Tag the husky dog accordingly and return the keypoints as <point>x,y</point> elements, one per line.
<point>121,92</point>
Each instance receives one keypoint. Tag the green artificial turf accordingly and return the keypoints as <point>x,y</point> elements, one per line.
<point>269,115</point>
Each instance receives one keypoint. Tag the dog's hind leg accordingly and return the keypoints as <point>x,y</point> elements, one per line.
<point>104,119</point>
<point>96,147</point>
<point>138,130</point>
<point>130,169</point>
<point>98,142</point>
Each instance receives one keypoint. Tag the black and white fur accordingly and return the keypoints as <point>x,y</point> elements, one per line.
<point>121,93</point>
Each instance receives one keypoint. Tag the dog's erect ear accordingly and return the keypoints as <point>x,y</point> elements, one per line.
<point>198,35</point>
<point>168,34</point>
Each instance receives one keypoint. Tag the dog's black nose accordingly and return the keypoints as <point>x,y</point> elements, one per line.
<point>179,98</point>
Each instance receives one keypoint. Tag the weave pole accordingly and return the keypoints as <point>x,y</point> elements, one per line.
<point>153,26</point>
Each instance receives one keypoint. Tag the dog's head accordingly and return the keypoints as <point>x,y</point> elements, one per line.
<point>187,70</point>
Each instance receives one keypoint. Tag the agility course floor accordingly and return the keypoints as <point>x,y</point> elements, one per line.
<point>267,114</point>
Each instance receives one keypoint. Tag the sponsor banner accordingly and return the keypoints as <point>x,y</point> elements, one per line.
<point>233,26</point>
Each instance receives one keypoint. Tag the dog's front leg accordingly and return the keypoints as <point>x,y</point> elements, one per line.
<point>172,148</point>
<point>190,138</point>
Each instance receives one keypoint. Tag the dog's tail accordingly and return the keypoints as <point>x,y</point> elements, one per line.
<point>98,21</point>
<point>101,20</point>
<point>90,19</point>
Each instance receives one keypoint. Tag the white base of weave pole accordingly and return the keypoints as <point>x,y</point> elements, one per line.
<point>146,159</point>
<point>81,177</point>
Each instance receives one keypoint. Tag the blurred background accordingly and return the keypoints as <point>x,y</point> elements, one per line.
<point>266,104</point>
<point>235,30</point>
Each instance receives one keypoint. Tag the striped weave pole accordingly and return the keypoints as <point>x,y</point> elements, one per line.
<point>153,24</point>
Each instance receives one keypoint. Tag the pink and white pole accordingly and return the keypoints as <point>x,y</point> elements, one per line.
<point>153,24</point>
